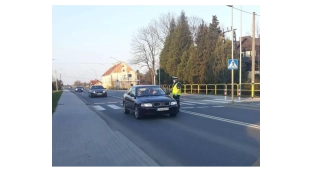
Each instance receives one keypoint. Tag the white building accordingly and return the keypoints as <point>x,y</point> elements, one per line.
<point>119,76</point>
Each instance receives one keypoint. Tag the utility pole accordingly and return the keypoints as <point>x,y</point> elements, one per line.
<point>56,81</point>
<point>253,57</point>
<point>232,59</point>
<point>240,58</point>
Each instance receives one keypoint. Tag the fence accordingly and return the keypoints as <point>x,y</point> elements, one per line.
<point>218,89</point>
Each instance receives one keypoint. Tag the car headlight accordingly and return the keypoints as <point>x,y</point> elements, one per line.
<point>103,91</point>
<point>173,103</point>
<point>146,105</point>
<point>93,91</point>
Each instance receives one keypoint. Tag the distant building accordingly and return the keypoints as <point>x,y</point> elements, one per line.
<point>246,53</point>
<point>95,82</point>
<point>119,76</point>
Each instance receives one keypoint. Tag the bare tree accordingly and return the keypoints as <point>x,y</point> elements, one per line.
<point>162,26</point>
<point>194,22</point>
<point>145,46</point>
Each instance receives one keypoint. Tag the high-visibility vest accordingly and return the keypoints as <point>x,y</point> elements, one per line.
<point>175,90</point>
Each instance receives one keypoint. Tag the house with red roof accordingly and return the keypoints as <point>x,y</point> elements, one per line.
<point>95,82</point>
<point>120,76</point>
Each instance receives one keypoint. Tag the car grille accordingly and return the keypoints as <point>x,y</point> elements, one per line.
<point>161,104</point>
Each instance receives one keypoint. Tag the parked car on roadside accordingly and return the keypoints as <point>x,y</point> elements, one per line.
<point>97,91</point>
<point>149,100</point>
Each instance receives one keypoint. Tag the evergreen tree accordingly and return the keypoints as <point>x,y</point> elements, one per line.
<point>182,39</point>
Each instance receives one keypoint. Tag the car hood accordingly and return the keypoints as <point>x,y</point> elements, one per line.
<point>155,99</point>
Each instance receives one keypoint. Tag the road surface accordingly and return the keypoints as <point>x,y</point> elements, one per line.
<point>208,132</point>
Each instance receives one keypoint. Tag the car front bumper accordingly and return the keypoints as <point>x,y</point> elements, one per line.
<point>156,111</point>
<point>99,94</point>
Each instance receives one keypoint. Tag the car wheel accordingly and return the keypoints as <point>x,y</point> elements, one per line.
<point>126,111</point>
<point>137,114</point>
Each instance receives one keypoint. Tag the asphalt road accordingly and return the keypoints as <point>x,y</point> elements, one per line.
<point>208,131</point>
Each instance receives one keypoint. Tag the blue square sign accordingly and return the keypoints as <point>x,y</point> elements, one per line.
<point>232,64</point>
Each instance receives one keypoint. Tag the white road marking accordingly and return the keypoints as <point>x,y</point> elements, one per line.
<point>222,119</point>
<point>216,101</point>
<point>97,107</point>
<point>228,100</point>
<point>114,106</point>
<point>194,102</point>
<point>112,102</point>
<point>217,106</point>
<point>98,103</point>
<point>186,107</point>
<point>186,103</point>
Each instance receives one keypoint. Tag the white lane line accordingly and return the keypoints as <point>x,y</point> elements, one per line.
<point>217,106</point>
<point>222,119</point>
<point>97,107</point>
<point>204,107</point>
<point>194,102</point>
<point>98,103</point>
<point>218,101</point>
<point>112,102</point>
<point>114,106</point>
<point>227,100</point>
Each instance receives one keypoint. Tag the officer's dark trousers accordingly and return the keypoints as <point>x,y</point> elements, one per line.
<point>177,98</point>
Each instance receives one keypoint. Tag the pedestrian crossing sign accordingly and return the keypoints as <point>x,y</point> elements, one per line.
<point>232,64</point>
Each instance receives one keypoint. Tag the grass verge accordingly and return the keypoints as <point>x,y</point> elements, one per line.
<point>55,98</point>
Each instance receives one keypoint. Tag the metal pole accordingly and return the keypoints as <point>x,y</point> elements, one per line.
<point>240,58</point>
<point>232,58</point>
<point>253,56</point>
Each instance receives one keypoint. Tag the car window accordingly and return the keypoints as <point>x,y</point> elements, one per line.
<point>133,91</point>
<point>97,87</point>
<point>150,91</point>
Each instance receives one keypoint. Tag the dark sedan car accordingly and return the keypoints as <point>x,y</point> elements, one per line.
<point>148,100</point>
<point>79,88</point>
<point>97,90</point>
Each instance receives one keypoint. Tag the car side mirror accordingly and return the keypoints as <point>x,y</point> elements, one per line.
<point>132,95</point>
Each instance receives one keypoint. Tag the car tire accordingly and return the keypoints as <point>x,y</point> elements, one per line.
<point>126,111</point>
<point>137,114</point>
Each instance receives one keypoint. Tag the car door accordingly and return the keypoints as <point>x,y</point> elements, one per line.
<point>132,98</point>
<point>127,98</point>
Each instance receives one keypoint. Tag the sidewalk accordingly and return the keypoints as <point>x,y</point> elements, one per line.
<point>81,138</point>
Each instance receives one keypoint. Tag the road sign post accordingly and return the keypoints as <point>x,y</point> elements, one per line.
<point>232,64</point>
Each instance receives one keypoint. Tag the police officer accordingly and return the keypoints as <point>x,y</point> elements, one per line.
<point>176,90</point>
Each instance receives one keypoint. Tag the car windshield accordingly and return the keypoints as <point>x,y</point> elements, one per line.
<point>97,87</point>
<point>149,91</point>
<point>79,87</point>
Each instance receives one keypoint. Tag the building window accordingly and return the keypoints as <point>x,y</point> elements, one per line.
<point>124,77</point>
<point>123,70</point>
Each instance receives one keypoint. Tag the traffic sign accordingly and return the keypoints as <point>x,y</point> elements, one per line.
<point>232,64</point>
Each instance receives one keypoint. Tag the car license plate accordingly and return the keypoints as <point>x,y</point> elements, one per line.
<point>163,109</point>
<point>99,94</point>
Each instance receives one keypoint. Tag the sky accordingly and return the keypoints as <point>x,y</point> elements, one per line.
<point>87,40</point>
